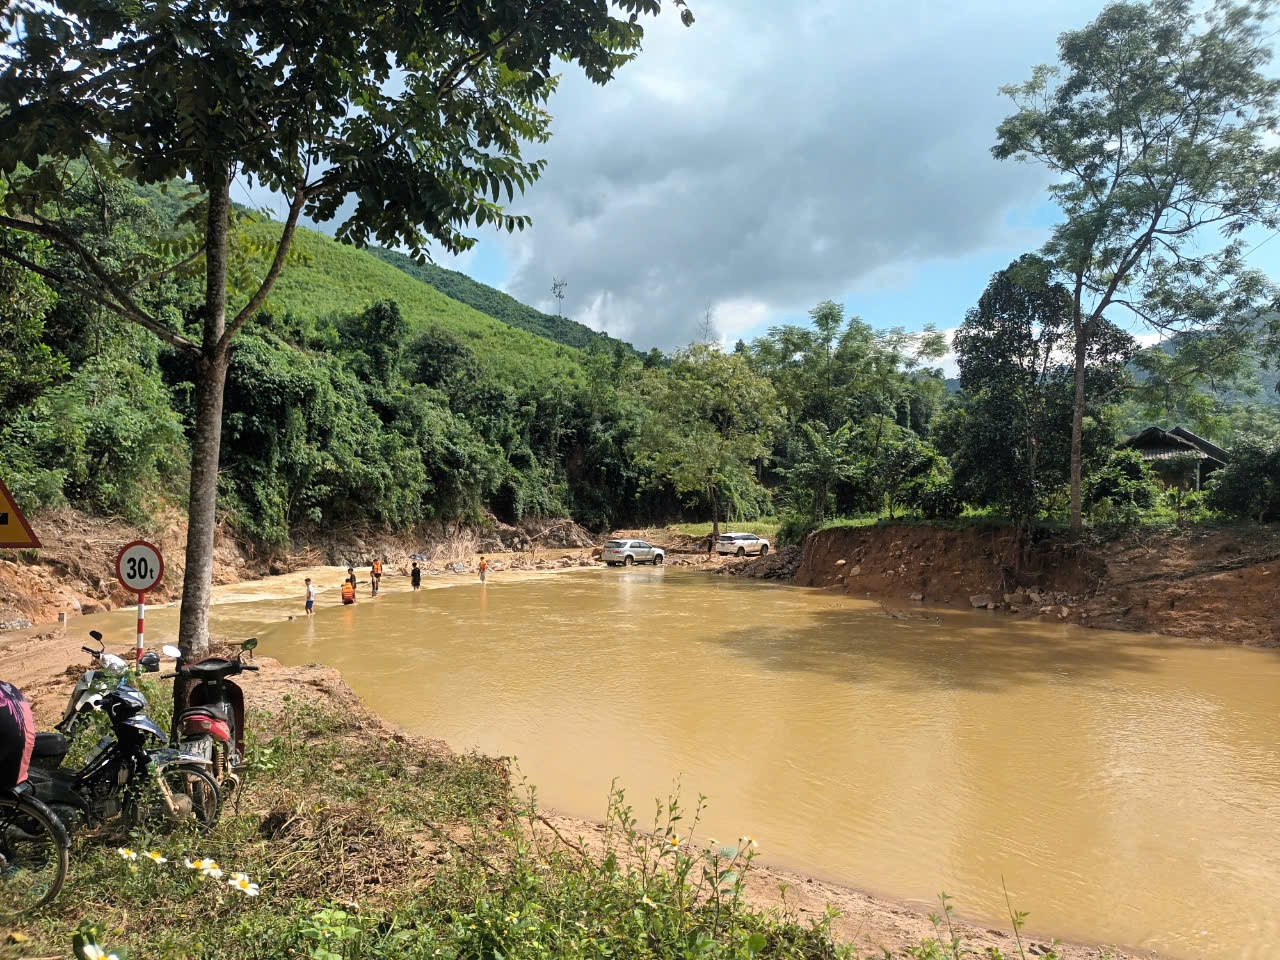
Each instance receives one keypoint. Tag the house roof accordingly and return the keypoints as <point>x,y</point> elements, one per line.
<point>1154,443</point>
<point>1211,450</point>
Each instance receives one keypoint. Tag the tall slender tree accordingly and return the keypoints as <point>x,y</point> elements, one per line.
<point>406,118</point>
<point>1155,123</point>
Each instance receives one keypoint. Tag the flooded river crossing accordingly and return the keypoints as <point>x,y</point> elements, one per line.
<point>1126,787</point>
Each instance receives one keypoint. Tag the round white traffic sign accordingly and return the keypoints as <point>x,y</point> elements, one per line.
<point>139,566</point>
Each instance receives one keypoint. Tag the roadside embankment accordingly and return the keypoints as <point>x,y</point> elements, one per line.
<point>71,573</point>
<point>423,849</point>
<point>1219,584</point>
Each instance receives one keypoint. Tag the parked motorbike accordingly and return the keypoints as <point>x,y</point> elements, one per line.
<point>208,711</point>
<point>98,680</point>
<point>121,776</point>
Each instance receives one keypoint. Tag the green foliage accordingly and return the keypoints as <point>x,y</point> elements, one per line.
<point>1123,491</point>
<point>501,306</point>
<point>107,440</point>
<point>712,420</point>
<point>334,279</point>
<point>794,526</point>
<point>1156,123</point>
<point>824,460</point>
<point>1008,433</point>
<point>1249,485</point>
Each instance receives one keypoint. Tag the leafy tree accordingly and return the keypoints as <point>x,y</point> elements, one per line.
<point>905,468</point>
<point>836,369</point>
<point>1156,129</point>
<point>1010,441</point>
<point>1249,485</point>
<point>27,364</point>
<point>296,97</point>
<point>712,419</point>
<point>825,459</point>
<point>1122,490</point>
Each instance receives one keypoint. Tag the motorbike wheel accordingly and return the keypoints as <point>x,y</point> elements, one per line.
<point>194,792</point>
<point>33,856</point>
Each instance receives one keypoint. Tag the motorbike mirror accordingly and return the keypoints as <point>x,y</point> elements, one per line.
<point>96,635</point>
<point>172,652</point>
<point>250,644</point>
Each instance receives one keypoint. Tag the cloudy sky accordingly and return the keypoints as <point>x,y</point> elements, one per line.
<point>778,154</point>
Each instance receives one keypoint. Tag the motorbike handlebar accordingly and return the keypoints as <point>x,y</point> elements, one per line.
<point>166,676</point>
<point>248,666</point>
<point>92,653</point>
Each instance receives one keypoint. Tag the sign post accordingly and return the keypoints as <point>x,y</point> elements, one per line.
<point>139,568</point>
<point>15,532</point>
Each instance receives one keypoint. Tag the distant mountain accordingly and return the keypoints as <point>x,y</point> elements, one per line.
<point>499,305</point>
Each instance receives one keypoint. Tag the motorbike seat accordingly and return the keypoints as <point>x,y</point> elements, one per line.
<point>212,669</point>
<point>49,745</point>
<point>211,709</point>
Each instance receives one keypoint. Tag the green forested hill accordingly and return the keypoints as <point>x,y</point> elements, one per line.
<point>497,304</point>
<point>330,278</point>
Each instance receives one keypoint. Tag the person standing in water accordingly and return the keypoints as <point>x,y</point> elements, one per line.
<point>415,576</point>
<point>484,568</point>
<point>375,574</point>
<point>311,597</point>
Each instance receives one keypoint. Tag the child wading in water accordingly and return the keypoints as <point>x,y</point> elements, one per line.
<point>484,568</point>
<point>375,574</point>
<point>415,577</point>
<point>311,597</point>
<point>349,586</point>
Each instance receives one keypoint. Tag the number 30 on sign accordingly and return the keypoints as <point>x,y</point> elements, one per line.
<point>139,567</point>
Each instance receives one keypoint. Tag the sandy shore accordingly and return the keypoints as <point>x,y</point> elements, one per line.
<point>38,661</point>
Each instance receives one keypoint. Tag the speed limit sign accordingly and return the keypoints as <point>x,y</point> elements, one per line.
<point>139,566</point>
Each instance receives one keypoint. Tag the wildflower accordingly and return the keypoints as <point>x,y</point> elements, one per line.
<point>240,882</point>
<point>647,902</point>
<point>94,952</point>
<point>154,857</point>
<point>133,868</point>
<point>512,918</point>
<point>127,853</point>
<point>209,868</point>
<point>674,840</point>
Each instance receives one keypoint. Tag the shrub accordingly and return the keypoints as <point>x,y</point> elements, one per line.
<point>1249,485</point>
<point>795,525</point>
<point>1124,492</point>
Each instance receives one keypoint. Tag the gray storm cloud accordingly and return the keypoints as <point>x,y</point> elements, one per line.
<point>775,154</point>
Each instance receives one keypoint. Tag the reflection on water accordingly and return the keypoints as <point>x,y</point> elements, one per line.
<point>1127,788</point>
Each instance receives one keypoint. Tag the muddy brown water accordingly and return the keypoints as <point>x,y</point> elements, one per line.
<point>1125,787</point>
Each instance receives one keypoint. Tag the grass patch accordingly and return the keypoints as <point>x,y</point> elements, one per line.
<point>761,528</point>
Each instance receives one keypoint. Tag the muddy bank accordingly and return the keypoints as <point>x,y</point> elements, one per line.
<point>73,572</point>
<point>868,922</point>
<point>1218,584</point>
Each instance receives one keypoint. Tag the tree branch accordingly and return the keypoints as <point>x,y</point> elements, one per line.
<point>171,337</point>
<point>273,273</point>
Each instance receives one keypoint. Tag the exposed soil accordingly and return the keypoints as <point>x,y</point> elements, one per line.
<point>1219,584</point>
<point>39,665</point>
<point>73,572</point>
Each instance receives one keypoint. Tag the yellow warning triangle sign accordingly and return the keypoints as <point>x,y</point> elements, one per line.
<point>15,532</point>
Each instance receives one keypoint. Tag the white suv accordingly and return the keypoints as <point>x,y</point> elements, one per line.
<point>742,544</point>
<point>627,552</point>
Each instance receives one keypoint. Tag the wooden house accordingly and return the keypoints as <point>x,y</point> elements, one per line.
<point>1178,457</point>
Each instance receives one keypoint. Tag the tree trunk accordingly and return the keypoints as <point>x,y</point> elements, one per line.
<point>206,440</point>
<point>715,517</point>
<point>1077,428</point>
